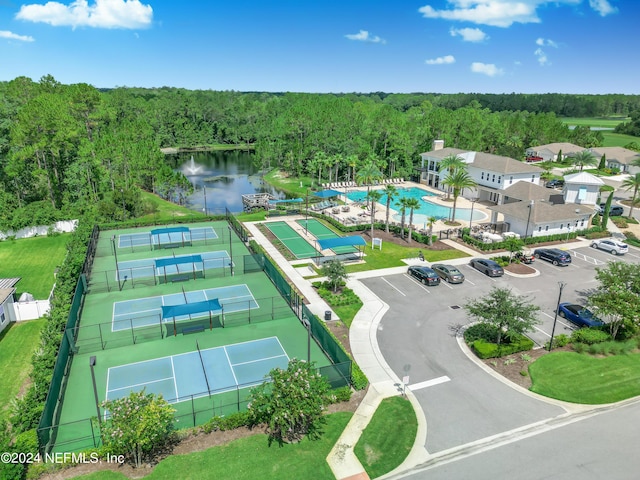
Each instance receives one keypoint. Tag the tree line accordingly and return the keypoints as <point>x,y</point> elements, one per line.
<point>69,149</point>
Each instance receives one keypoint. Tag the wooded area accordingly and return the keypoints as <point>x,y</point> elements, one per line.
<point>69,149</point>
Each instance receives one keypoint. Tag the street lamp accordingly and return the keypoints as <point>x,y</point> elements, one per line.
<point>92,363</point>
<point>526,230</point>
<point>306,217</point>
<point>473,203</point>
<point>555,318</point>
<point>206,211</point>
<point>230,250</point>
<point>307,324</point>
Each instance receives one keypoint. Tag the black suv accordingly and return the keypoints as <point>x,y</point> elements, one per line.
<point>426,275</point>
<point>614,210</point>
<point>553,255</point>
<point>556,182</point>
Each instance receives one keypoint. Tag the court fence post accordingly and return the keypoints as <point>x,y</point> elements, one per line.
<point>160,324</point>
<point>133,337</point>
<point>102,344</point>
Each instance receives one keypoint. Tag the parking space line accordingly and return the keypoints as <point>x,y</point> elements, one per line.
<point>560,321</point>
<point>446,284</point>
<point>542,331</point>
<point>467,280</point>
<point>394,287</point>
<point>429,383</point>
<point>417,283</point>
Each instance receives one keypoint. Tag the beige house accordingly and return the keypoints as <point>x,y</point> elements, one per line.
<point>618,157</point>
<point>550,151</point>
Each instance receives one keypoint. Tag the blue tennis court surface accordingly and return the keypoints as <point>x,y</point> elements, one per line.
<point>143,312</point>
<point>146,267</point>
<point>185,376</point>
<point>127,240</point>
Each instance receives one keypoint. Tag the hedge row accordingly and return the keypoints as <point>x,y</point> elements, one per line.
<point>484,349</point>
<point>504,245</point>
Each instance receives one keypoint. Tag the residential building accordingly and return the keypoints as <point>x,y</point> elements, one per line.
<point>618,157</point>
<point>550,151</point>
<point>7,290</point>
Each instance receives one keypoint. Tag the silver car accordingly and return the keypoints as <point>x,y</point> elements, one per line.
<point>611,245</point>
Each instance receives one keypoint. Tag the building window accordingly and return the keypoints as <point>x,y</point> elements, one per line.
<point>499,180</point>
<point>533,178</point>
<point>493,179</point>
<point>539,229</point>
<point>482,176</point>
<point>510,180</point>
<point>561,226</point>
<point>582,223</point>
<point>546,228</point>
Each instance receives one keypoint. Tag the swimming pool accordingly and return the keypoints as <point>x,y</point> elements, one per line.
<point>426,210</point>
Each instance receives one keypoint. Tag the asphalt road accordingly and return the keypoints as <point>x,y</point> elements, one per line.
<point>473,419</point>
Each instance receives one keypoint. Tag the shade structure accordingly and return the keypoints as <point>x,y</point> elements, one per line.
<point>288,200</point>
<point>167,230</point>
<point>170,311</point>
<point>327,193</point>
<point>353,240</point>
<point>165,262</point>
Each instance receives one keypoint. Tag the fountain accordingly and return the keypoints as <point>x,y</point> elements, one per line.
<point>192,168</point>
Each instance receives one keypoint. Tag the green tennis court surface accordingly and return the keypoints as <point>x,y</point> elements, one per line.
<point>322,232</point>
<point>128,240</point>
<point>143,312</point>
<point>291,239</point>
<point>200,372</point>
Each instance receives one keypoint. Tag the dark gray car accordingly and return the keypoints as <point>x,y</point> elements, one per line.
<point>448,273</point>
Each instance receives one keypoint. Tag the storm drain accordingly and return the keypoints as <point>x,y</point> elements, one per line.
<point>454,307</point>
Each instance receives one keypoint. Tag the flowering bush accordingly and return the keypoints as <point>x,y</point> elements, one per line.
<point>138,426</point>
<point>292,404</point>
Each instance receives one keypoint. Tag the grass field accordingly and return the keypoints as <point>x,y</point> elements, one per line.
<point>17,343</point>
<point>166,210</point>
<point>580,378</point>
<point>388,438</point>
<point>618,139</point>
<point>250,458</point>
<point>610,122</point>
<point>34,260</point>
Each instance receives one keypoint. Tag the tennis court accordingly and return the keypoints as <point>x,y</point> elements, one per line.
<point>144,312</point>
<point>199,372</point>
<point>322,232</point>
<point>185,235</point>
<point>291,239</point>
<point>148,267</point>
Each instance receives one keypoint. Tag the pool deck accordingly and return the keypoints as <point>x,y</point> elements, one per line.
<point>360,215</point>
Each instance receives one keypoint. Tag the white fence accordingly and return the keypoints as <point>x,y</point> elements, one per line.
<point>30,310</point>
<point>42,230</point>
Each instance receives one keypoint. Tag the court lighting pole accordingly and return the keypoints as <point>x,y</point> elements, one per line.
<point>307,324</point>
<point>230,250</point>
<point>206,211</point>
<point>553,329</point>
<point>92,363</point>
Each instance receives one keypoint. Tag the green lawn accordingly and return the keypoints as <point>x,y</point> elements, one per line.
<point>17,343</point>
<point>595,122</point>
<point>166,210</point>
<point>618,139</point>
<point>580,378</point>
<point>391,255</point>
<point>34,260</point>
<point>251,458</point>
<point>388,438</point>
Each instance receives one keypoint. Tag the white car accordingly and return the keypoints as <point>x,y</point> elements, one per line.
<point>611,245</point>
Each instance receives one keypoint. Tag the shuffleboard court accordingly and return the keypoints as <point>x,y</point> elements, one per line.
<point>200,372</point>
<point>291,239</point>
<point>322,232</point>
<point>145,268</point>
<point>143,312</point>
<point>128,240</point>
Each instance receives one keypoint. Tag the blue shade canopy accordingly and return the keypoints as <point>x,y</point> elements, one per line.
<point>353,240</point>
<point>327,193</point>
<point>170,311</point>
<point>289,200</point>
<point>165,262</point>
<point>160,231</point>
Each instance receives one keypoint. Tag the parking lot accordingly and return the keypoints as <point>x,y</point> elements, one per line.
<point>417,338</point>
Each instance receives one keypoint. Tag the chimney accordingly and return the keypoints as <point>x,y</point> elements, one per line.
<point>438,145</point>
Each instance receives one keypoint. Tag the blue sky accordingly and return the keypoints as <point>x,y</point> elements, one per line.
<point>486,46</point>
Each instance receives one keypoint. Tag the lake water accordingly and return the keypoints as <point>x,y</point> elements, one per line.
<point>220,179</point>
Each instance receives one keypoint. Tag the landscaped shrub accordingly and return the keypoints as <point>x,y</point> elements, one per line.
<point>589,336</point>
<point>481,331</point>
<point>342,394</point>
<point>491,350</point>
<point>558,341</point>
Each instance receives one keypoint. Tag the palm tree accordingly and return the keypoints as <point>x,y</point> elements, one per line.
<point>430,223</point>
<point>373,196</point>
<point>352,161</point>
<point>402,208</point>
<point>390,191</point>
<point>458,181</point>
<point>368,174</point>
<point>451,163</point>
<point>585,157</point>
<point>412,204</point>
<point>320,159</point>
<point>632,183</point>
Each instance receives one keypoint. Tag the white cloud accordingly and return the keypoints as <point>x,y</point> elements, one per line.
<point>15,36</point>
<point>363,36</point>
<point>546,42</point>
<point>542,57</point>
<point>603,7</point>
<point>441,60</point>
<point>488,69</point>
<point>469,34</point>
<point>504,13</point>
<point>101,14</point>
